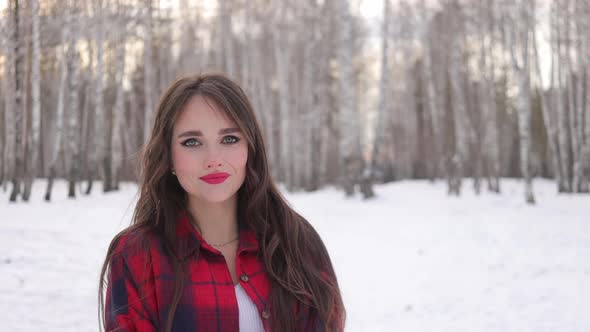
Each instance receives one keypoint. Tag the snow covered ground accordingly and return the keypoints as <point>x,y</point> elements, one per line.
<point>411,260</point>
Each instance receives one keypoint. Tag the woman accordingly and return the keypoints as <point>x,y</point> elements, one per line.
<point>213,246</point>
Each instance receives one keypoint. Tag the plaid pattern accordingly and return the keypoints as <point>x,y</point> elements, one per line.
<point>141,284</point>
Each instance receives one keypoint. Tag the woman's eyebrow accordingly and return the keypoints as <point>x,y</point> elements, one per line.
<point>199,133</point>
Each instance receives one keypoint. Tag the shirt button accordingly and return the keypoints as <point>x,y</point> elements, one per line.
<point>244,277</point>
<point>265,314</point>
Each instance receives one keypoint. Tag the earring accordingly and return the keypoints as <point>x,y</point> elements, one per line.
<point>173,173</point>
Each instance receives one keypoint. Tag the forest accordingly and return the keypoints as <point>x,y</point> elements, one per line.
<point>460,91</point>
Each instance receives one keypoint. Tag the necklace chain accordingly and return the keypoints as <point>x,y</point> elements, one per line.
<point>224,244</point>
<point>192,220</point>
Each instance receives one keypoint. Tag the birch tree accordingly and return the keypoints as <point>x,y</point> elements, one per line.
<point>226,37</point>
<point>149,79</point>
<point>282,57</point>
<point>578,76</point>
<point>564,142</point>
<point>34,148</point>
<point>73,151</point>
<point>18,109</point>
<point>59,117</point>
<point>518,24</point>
<point>384,85</point>
<point>431,96</point>
<point>488,93</point>
<point>570,94</point>
<point>7,156</point>
<point>100,169</point>
<point>350,157</point>
<point>118,110</point>
<point>548,114</point>
<point>456,65</point>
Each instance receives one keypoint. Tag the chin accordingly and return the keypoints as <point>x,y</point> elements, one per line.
<point>213,197</point>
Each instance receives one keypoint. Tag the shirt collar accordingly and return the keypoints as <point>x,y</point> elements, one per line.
<point>189,239</point>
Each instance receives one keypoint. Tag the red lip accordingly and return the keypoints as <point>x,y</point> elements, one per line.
<point>215,178</point>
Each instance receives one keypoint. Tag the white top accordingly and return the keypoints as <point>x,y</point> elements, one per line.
<point>249,316</point>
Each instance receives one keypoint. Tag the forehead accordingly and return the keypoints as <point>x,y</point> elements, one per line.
<point>202,113</point>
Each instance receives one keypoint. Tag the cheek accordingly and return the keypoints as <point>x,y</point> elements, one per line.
<point>238,158</point>
<point>182,160</point>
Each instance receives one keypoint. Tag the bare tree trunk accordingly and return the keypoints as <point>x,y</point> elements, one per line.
<point>459,119</point>
<point>434,110</point>
<point>148,71</point>
<point>564,142</point>
<point>549,118</point>
<point>188,60</point>
<point>570,87</point>
<point>350,150</point>
<point>586,150</point>
<point>308,109</point>
<point>581,182</point>
<point>165,67</point>
<point>118,111</point>
<point>18,109</point>
<point>36,111</point>
<point>282,54</point>
<point>88,168</point>
<point>384,92</point>
<point>59,117</point>
<point>492,140</point>
<point>323,91</point>
<point>8,157</point>
<point>3,125</point>
<point>226,38</point>
<point>98,155</point>
<point>519,32</point>
<point>73,129</point>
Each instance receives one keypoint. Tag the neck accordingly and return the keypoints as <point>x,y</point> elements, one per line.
<point>217,222</point>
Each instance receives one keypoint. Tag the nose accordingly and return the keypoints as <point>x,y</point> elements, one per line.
<point>213,164</point>
<point>213,160</point>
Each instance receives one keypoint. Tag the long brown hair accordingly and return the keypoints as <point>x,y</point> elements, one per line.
<point>296,260</point>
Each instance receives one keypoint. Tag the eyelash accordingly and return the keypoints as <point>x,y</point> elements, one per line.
<point>187,142</point>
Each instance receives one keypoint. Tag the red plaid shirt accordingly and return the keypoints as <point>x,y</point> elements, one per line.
<point>141,284</point>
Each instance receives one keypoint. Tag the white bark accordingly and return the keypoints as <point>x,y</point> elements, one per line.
<point>98,153</point>
<point>8,157</point>
<point>432,104</point>
<point>36,97</point>
<point>492,139</point>
<point>226,37</point>
<point>18,109</point>
<point>309,105</point>
<point>562,115</point>
<point>189,50</point>
<point>579,38</point>
<point>459,118</point>
<point>519,33</point>
<point>59,117</point>
<point>349,122</point>
<point>73,114</point>
<point>149,79</point>
<point>571,91</point>
<point>384,89</point>
<point>323,134</point>
<point>548,116</point>
<point>282,55</point>
<point>118,110</point>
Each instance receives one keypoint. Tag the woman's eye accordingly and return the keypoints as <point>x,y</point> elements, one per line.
<point>190,142</point>
<point>230,140</point>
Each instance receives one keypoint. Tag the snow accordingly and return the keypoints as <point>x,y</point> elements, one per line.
<point>413,259</point>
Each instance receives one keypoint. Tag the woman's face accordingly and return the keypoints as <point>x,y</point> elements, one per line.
<point>205,142</point>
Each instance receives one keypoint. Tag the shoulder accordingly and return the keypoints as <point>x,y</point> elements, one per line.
<point>132,240</point>
<point>132,248</point>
